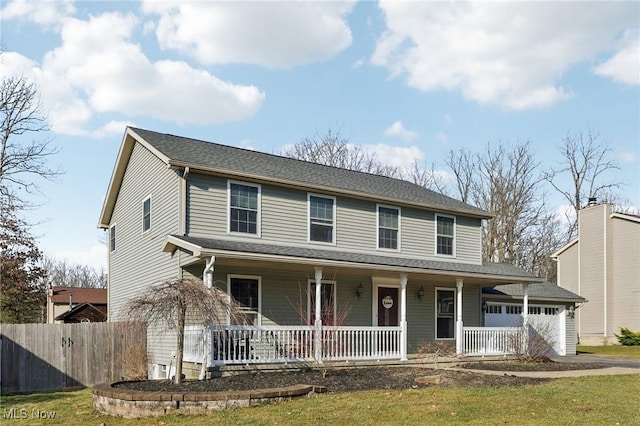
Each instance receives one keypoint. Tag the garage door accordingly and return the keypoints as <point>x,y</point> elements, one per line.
<point>547,321</point>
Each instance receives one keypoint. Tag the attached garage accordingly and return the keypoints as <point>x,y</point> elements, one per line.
<point>551,312</point>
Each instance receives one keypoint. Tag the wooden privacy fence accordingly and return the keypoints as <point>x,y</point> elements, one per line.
<point>45,357</point>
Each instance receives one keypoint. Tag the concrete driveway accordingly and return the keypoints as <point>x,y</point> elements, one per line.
<point>609,361</point>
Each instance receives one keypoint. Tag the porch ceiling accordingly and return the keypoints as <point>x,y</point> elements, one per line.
<point>280,257</point>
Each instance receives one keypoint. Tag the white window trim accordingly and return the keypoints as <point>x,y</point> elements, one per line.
<point>247,277</point>
<point>311,289</point>
<point>144,231</point>
<point>378,206</point>
<point>335,225</point>
<point>435,313</point>
<point>115,242</point>
<point>455,222</point>
<point>258,233</point>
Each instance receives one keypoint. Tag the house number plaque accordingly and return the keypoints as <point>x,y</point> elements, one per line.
<point>387,302</point>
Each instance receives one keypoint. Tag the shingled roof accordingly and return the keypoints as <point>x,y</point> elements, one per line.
<point>538,291</point>
<point>486,270</point>
<point>212,157</point>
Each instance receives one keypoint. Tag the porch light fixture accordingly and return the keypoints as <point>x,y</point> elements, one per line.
<point>359,291</point>
<point>420,294</point>
<point>484,306</point>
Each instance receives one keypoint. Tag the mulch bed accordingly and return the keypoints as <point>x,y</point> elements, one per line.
<point>338,380</point>
<point>531,366</point>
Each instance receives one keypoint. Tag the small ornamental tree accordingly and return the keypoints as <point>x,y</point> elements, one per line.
<point>169,302</point>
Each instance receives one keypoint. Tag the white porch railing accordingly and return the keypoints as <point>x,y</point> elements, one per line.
<point>491,340</point>
<point>279,344</point>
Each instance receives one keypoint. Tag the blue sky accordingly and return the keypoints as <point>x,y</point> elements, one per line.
<point>408,80</point>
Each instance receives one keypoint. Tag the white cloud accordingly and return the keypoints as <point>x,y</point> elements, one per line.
<point>45,13</point>
<point>271,34</point>
<point>112,128</point>
<point>506,54</point>
<point>628,157</point>
<point>398,129</point>
<point>624,66</point>
<point>98,69</point>
<point>441,136</point>
<point>395,156</point>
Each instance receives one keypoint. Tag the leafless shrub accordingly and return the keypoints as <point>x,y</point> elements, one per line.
<point>169,301</point>
<point>436,349</point>
<point>533,343</point>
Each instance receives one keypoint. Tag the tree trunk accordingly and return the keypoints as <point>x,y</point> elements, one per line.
<point>182,309</point>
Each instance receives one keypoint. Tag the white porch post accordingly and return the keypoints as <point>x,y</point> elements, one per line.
<point>318,317</point>
<point>403,317</point>
<point>525,316</point>
<point>207,278</point>
<point>459,325</point>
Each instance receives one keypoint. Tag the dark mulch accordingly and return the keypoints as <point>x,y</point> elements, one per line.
<point>338,380</point>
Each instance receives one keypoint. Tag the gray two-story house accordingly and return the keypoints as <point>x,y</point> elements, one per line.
<point>380,265</point>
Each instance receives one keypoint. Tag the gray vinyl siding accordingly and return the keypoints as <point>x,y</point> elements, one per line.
<point>624,275</point>
<point>284,219</point>
<point>571,337</point>
<point>591,229</point>
<point>138,260</point>
<point>568,269</point>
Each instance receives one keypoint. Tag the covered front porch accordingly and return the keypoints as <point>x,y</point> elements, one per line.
<point>393,306</point>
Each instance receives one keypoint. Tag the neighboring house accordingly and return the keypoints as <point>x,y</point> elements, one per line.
<point>76,304</point>
<point>551,312</point>
<point>603,266</point>
<point>290,240</point>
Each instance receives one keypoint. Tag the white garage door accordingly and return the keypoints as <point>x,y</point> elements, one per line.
<point>547,321</point>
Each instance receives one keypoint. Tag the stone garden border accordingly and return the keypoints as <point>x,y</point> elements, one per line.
<point>134,403</point>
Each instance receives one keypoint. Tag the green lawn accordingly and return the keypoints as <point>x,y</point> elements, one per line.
<point>613,350</point>
<point>587,400</point>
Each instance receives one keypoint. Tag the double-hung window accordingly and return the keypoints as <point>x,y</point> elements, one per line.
<point>322,214</point>
<point>246,292</point>
<point>244,204</point>
<point>146,214</point>
<point>445,314</point>
<point>388,227</point>
<point>445,235</point>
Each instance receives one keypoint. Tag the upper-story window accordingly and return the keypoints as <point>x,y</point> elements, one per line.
<point>112,237</point>
<point>388,227</point>
<point>445,235</point>
<point>244,203</point>
<point>146,214</point>
<point>322,215</point>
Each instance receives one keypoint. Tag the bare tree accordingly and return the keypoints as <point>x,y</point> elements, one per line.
<point>426,176</point>
<point>333,149</point>
<point>587,161</point>
<point>63,273</point>
<point>462,164</point>
<point>170,302</point>
<point>21,158</point>
<point>505,181</point>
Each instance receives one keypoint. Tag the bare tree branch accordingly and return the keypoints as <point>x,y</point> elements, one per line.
<point>169,303</point>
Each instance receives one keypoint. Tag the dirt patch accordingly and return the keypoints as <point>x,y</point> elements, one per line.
<point>339,380</point>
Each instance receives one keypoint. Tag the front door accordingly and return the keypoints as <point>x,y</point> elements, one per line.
<point>388,302</point>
